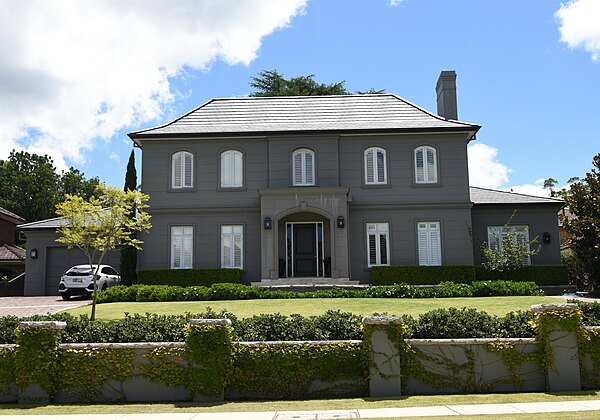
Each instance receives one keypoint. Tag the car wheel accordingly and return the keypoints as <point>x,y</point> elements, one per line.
<point>66,295</point>
<point>104,287</point>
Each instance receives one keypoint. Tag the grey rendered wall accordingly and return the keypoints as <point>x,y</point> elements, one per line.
<point>540,218</point>
<point>39,280</point>
<point>457,248</point>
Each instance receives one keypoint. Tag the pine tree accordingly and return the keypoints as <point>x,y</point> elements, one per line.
<point>129,253</point>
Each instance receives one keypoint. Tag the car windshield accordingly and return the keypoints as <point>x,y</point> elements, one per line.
<point>79,272</point>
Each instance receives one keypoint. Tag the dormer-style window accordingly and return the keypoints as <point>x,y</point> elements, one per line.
<point>232,167</point>
<point>375,166</point>
<point>426,165</point>
<point>182,165</point>
<point>303,167</point>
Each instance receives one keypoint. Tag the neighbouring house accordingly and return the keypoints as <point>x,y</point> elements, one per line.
<point>321,186</point>
<point>12,257</point>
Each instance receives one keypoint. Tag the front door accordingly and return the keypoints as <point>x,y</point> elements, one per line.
<point>305,249</point>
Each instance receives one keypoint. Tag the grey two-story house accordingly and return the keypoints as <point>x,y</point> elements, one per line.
<point>309,187</point>
<point>329,186</point>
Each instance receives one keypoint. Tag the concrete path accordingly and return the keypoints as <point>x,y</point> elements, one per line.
<point>442,410</point>
<point>36,305</point>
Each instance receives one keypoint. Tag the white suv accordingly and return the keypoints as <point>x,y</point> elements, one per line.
<point>78,280</point>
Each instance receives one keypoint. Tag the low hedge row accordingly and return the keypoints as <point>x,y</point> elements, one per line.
<point>332,325</point>
<point>225,291</point>
<point>542,275</point>
<point>190,277</point>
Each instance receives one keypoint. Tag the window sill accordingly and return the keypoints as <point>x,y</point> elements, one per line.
<point>426,184</point>
<point>375,186</point>
<point>182,190</point>
<point>231,189</point>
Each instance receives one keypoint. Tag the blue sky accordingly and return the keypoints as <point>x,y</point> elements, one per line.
<point>528,71</point>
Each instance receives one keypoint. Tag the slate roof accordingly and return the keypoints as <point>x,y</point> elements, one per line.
<point>53,223</point>
<point>11,253</point>
<point>488,196</point>
<point>5,214</point>
<point>301,114</point>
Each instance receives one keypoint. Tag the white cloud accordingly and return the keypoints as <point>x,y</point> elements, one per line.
<point>75,72</point>
<point>537,189</point>
<point>580,25</point>
<point>395,2</point>
<point>484,168</point>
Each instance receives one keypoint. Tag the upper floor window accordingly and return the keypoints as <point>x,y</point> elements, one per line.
<point>303,167</point>
<point>378,244</point>
<point>182,164</point>
<point>425,165</point>
<point>430,247</point>
<point>375,166</point>
<point>499,235</point>
<point>182,243</point>
<point>232,167</point>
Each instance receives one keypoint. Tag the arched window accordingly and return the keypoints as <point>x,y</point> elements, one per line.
<point>182,164</point>
<point>303,167</point>
<point>375,166</point>
<point>425,165</point>
<point>232,169</point>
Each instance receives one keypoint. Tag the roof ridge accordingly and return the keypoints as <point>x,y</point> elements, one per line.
<point>439,117</point>
<point>516,193</point>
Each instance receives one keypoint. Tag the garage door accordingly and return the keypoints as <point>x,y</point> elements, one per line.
<point>60,259</point>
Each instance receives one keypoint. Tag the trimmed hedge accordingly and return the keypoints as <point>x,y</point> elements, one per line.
<point>417,275</point>
<point>189,277</point>
<point>542,275</point>
<point>224,291</point>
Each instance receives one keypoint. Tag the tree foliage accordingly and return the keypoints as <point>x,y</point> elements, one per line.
<point>513,251</point>
<point>129,253</point>
<point>31,187</point>
<point>101,224</point>
<point>583,200</point>
<point>272,83</point>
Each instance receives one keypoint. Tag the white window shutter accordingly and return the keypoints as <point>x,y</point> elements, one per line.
<point>238,169</point>
<point>383,249</point>
<point>177,165</point>
<point>431,165</point>
<point>380,167</point>
<point>226,169</point>
<point>370,167</point>
<point>297,168</point>
<point>435,244</point>
<point>423,249</point>
<point>188,169</point>
<point>494,237</point>
<point>419,170</point>
<point>309,168</point>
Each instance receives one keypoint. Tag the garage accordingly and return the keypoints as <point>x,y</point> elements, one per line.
<point>60,259</point>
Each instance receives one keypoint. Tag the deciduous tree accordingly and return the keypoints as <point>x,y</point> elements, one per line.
<point>101,224</point>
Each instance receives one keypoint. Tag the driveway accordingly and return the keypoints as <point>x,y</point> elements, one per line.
<point>36,305</point>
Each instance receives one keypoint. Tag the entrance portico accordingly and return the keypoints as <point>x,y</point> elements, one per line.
<point>304,238</point>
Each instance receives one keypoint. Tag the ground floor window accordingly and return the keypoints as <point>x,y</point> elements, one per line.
<point>232,246</point>
<point>182,243</point>
<point>497,236</point>
<point>378,244</point>
<point>430,249</point>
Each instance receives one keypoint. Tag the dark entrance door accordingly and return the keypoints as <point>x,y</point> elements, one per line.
<point>305,250</point>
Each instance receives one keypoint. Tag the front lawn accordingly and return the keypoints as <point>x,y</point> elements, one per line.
<point>358,306</point>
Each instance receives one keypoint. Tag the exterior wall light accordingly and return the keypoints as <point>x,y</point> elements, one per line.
<point>268,223</point>
<point>546,237</point>
<point>33,253</point>
<point>341,223</point>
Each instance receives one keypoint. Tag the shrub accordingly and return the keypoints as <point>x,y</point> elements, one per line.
<point>542,275</point>
<point>419,275</point>
<point>455,323</point>
<point>189,277</point>
<point>591,312</point>
<point>505,288</point>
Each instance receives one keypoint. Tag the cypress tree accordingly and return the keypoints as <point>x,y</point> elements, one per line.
<point>128,253</point>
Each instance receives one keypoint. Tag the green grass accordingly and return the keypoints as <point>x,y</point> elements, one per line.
<point>247,308</point>
<point>334,404</point>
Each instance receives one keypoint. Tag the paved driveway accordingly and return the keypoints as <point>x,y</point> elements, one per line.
<point>36,305</point>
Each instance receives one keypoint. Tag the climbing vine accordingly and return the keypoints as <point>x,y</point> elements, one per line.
<point>7,369</point>
<point>166,365</point>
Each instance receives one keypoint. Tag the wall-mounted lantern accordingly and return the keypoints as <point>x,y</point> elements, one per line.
<point>33,253</point>
<point>546,237</point>
<point>341,223</point>
<point>268,223</point>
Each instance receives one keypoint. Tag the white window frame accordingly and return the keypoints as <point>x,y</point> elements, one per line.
<point>376,170</point>
<point>232,169</point>
<point>182,236</point>
<point>184,182</point>
<point>429,172</point>
<point>495,234</point>
<point>303,176</point>
<point>429,243</point>
<point>230,236</point>
<point>378,230</point>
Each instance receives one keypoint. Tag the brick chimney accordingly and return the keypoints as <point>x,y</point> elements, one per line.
<point>446,95</point>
